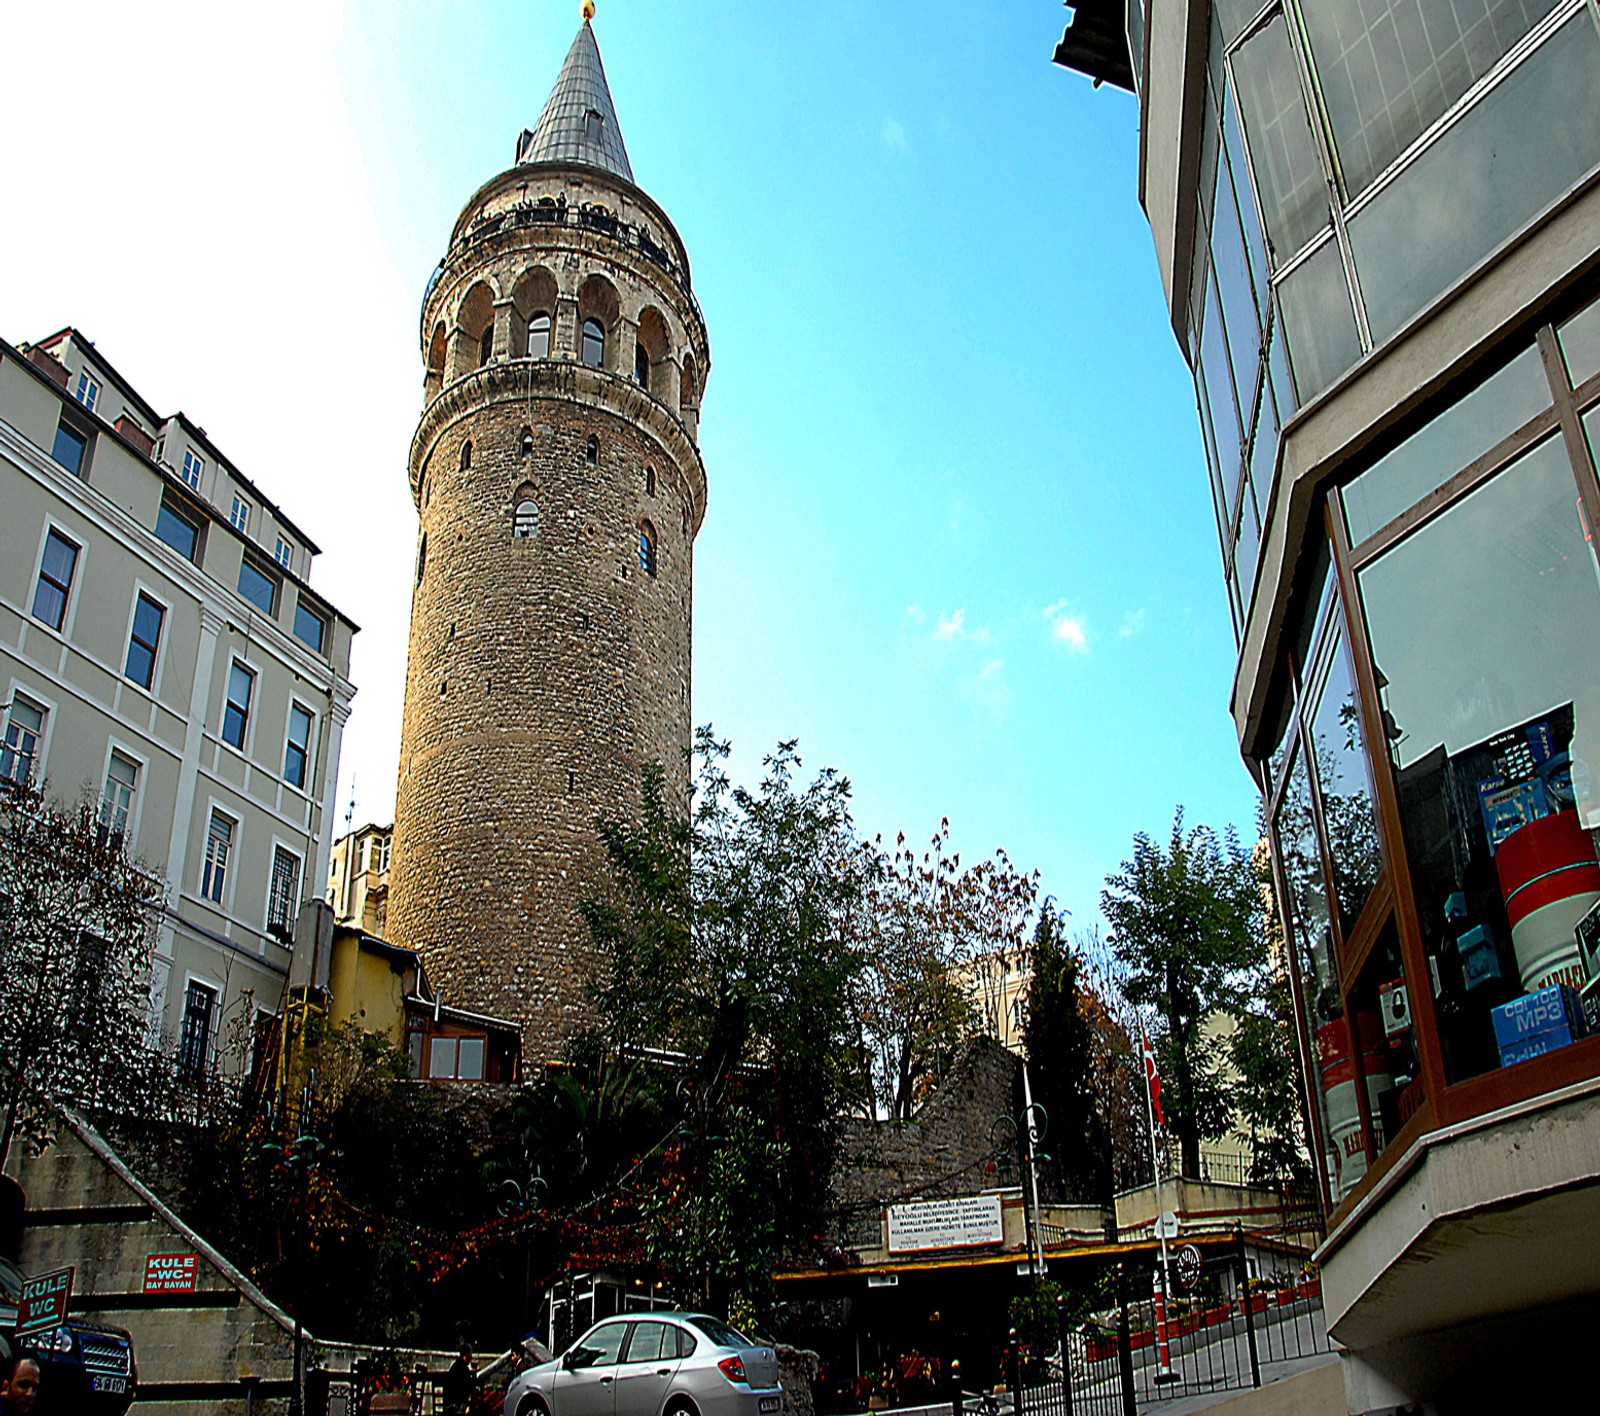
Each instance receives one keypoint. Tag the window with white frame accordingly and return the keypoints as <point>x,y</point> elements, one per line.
<point>56,569</point>
<point>297,751</point>
<point>87,391</point>
<point>20,751</point>
<point>143,641</point>
<point>194,1039</point>
<point>219,846</point>
<point>116,800</point>
<point>239,517</point>
<point>283,892</point>
<point>193,466</point>
<point>236,711</point>
<point>284,554</point>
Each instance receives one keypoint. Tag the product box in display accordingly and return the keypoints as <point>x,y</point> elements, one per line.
<point>1535,1046</point>
<point>1554,1010</point>
<point>1509,808</point>
<point>1590,998</point>
<point>1587,933</point>
<point>1480,960</point>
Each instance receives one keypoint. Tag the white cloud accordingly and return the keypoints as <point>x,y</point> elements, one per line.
<point>1132,623</point>
<point>894,136</point>
<point>1071,632</point>
<point>951,626</point>
<point>1067,626</point>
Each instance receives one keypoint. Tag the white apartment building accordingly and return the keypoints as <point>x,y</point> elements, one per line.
<point>161,649</point>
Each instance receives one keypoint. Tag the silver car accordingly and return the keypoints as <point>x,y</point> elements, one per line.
<point>653,1364</point>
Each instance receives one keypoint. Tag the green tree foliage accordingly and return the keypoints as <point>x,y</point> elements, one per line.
<point>1186,926</point>
<point>1059,1042</point>
<point>1267,1095</point>
<point>727,944</point>
<point>927,930</point>
<point>77,927</point>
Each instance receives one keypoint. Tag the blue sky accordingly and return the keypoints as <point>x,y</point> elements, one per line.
<point>958,539</point>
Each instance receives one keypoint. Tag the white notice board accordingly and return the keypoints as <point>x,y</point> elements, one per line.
<point>945,1224</point>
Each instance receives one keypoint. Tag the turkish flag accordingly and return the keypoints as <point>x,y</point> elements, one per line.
<point>1152,1078</point>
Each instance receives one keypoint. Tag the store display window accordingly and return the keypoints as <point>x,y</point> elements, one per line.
<point>1483,626</point>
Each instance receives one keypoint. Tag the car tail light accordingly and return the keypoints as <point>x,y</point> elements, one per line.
<point>733,1369</point>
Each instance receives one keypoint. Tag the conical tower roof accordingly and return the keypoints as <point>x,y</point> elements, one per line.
<point>578,123</point>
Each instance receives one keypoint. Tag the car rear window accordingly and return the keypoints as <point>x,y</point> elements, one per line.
<point>720,1333</point>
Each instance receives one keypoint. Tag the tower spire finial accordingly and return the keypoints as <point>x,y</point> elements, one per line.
<point>579,123</point>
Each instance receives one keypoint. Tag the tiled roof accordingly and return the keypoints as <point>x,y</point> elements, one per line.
<point>578,123</point>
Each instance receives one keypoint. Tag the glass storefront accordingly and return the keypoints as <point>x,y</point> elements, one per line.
<point>1356,160</point>
<point>1435,794</point>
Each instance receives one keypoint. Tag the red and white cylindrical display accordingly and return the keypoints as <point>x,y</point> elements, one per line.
<point>1340,1107</point>
<point>1549,879</point>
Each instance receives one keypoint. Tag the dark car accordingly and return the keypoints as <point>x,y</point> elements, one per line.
<point>83,1366</point>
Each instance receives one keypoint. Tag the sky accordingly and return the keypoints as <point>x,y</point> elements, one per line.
<point>958,538</point>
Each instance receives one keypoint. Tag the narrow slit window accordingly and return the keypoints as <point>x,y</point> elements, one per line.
<point>647,549</point>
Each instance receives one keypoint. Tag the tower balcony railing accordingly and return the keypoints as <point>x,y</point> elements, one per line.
<point>587,216</point>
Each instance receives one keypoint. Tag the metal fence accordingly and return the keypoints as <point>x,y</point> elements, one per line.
<point>1222,1331</point>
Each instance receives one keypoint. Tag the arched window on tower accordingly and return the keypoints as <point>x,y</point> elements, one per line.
<point>525,519</point>
<point>466,455</point>
<point>525,443</point>
<point>594,343</point>
<point>539,335</point>
<point>591,451</point>
<point>649,481</point>
<point>486,346</point>
<point>641,366</point>
<point>647,549</point>
<point>422,556</point>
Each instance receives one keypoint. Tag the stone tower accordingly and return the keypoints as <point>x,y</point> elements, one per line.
<point>559,485</point>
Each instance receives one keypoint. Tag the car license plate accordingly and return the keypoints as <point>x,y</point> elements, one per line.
<point>118,1386</point>
<point>771,1403</point>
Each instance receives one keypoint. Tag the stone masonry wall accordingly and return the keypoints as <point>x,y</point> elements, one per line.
<point>938,1153</point>
<point>542,672</point>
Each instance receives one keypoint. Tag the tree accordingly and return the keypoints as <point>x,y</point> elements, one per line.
<point>1059,1042</point>
<point>1185,926</point>
<point>726,941</point>
<point>1267,1094</point>
<point>77,927</point>
<point>927,924</point>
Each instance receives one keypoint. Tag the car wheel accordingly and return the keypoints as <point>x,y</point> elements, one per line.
<point>680,1406</point>
<point>533,1406</point>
